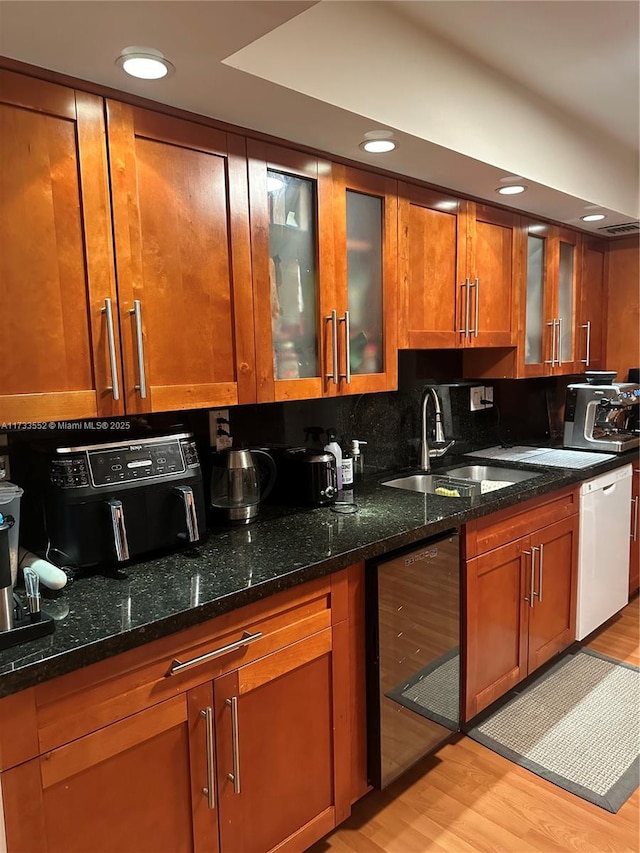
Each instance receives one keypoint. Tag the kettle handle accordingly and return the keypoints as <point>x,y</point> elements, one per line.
<point>271,465</point>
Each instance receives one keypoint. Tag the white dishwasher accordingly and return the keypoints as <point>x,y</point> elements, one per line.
<point>603,556</point>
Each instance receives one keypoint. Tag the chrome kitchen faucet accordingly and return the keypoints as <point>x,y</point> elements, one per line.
<point>440,445</point>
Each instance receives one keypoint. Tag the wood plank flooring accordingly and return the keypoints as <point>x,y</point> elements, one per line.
<point>466,798</point>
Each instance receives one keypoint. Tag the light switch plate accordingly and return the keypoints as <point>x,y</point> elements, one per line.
<point>219,429</point>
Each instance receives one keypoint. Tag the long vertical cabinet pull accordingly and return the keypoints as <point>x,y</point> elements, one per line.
<point>476,321</point>
<point>108,312</point>
<point>333,319</point>
<point>634,504</point>
<point>540,570</point>
<point>464,286</point>
<point>532,592</point>
<point>559,349</point>
<point>210,790</point>
<point>137,313</point>
<point>552,361</point>
<point>587,326</point>
<point>235,776</point>
<point>347,347</point>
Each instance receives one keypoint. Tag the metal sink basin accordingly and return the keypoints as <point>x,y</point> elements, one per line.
<point>485,478</point>
<point>490,472</point>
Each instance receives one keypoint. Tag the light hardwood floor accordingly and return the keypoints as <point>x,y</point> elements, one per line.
<point>466,798</point>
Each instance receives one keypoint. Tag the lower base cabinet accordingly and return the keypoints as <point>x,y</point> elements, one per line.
<point>634,557</point>
<point>520,597</point>
<point>255,759</point>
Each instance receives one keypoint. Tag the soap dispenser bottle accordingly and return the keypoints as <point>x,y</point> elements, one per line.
<point>334,447</point>
<point>358,459</point>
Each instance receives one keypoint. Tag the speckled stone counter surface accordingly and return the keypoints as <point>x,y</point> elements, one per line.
<point>98,616</point>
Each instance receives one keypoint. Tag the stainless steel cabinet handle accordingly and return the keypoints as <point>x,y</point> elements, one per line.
<point>245,640</point>
<point>137,313</point>
<point>191,517</point>
<point>532,592</point>
<point>587,326</point>
<point>115,386</point>
<point>119,528</point>
<point>559,350</point>
<point>540,570</point>
<point>235,776</point>
<point>475,284</point>
<point>552,361</point>
<point>333,319</point>
<point>347,347</point>
<point>463,286</point>
<point>634,504</point>
<point>210,790</point>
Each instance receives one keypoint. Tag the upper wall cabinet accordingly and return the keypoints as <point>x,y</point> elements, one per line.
<point>458,264</point>
<point>323,242</point>
<point>365,263</point>
<point>58,347</point>
<point>551,304</point>
<point>181,232</point>
<point>592,327</point>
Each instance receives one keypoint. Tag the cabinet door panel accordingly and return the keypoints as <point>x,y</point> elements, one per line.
<point>127,788</point>
<point>552,618</point>
<point>292,267</point>
<point>496,624</point>
<point>634,561</point>
<point>365,224</point>
<point>173,251</point>
<point>491,269</point>
<point>285,748</point>
<point>56,265</point>
<point>590,344</point>
<point>430,248</point>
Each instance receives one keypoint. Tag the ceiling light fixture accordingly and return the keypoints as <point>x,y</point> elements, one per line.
<point>145,63</point>
<point>593,217</point>
<point>378,141</point>
<point>511,189</point>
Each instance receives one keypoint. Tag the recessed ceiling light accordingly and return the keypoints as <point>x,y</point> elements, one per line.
<point>511,189</point>
<point>145,63</point>
<point>593,217</point>
<point>378,141</point>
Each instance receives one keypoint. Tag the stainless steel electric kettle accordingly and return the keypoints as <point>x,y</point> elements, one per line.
<point>236,484</point>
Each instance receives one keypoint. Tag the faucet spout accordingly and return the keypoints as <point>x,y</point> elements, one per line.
<point>441,445</point>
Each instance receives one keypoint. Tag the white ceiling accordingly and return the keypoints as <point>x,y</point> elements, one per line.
<point>561,79</point>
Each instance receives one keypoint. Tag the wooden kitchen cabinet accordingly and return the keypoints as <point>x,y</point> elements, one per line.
<point>634,561</point>
<point>324,259</point>
<point>591,333</point>
<point>550,309</point>
<point>520,596</point>
<point>181,230</point>
<point>458,262</point>
<point>252,744</point>
<point>56,259</point>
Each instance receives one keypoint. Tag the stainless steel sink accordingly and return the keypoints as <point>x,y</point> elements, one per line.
<point>489,472</point>
<point>485,478</point>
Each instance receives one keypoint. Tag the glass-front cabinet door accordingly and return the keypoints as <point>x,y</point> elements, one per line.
<point>292,261</point>
<point>364,333</point>
<point>551,297</point>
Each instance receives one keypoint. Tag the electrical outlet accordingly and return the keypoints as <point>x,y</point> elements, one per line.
<point>488,396</point>
<point>477,394</point>
<point>219,429</point>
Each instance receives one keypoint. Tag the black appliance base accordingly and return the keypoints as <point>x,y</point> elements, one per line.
<point>26,630</point>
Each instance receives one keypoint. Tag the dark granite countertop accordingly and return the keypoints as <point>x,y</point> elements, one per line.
<point>97,616</point>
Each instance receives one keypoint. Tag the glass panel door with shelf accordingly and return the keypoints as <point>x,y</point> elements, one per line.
<point>292,262</point>
<point>365,229</point>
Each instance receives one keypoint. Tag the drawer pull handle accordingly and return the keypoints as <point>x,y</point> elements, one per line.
<point>235,776</point>
<point>245,640</point>
<point>210,790</point>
